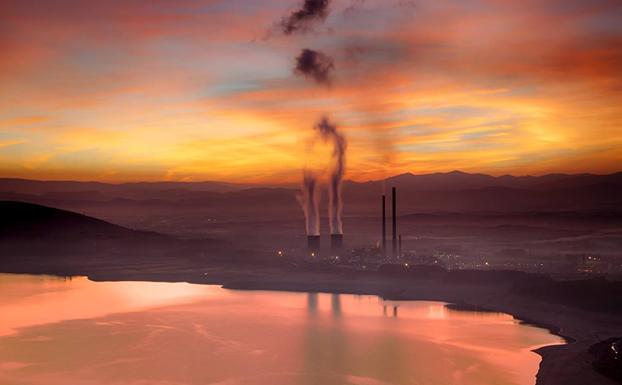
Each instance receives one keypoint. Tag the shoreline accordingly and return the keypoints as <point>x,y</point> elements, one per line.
<point>567,363</point>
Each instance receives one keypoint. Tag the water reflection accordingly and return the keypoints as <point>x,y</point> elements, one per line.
<point>437,312</point>
<point>324,347</point>
<point>335,304</point>
<point>312,303</point>
<point>138,333</point>
<point>39,299</point>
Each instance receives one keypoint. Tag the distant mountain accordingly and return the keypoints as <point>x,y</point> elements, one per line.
<point>455,191</point>
<point>136,189</point>
<point>450,181</point>
<point>458,180</point>
<point>461,192</point>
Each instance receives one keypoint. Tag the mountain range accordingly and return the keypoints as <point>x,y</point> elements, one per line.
<point>429,193</point>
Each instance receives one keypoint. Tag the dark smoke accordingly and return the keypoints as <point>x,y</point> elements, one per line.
<point>309,200</point>
<point>300,20</point>
<point>315,65</point>
<point>328,131</point>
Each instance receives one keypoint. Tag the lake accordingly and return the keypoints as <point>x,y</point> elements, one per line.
<point>77,332</point>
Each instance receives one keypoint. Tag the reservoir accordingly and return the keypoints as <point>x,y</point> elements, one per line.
<point>73,331</point>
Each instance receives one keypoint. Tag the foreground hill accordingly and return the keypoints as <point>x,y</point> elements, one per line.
<point>38,238</point>
<point>21,220</point>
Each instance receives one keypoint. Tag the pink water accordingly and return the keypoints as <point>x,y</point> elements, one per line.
<point>79,332</point>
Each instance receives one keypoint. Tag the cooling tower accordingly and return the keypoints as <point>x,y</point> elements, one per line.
<point>313,245</point>
<point>336,244</point>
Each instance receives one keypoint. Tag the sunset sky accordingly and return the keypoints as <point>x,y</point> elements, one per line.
<point>206,90</point>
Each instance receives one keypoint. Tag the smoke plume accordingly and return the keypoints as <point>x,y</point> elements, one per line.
<point>315,65</point>
<point>328,132</point>
<point>309,200</point>
<point>301,19</point>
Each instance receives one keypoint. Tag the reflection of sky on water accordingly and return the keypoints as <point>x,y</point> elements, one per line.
<point>158,333</point>
<point>30,300</point>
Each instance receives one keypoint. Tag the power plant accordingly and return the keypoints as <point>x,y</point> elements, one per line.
<point>336,247</point>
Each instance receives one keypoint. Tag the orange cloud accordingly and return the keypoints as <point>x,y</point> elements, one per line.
<point>192,90</point>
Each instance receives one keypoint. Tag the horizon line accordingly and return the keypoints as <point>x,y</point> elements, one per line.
<point>293,183</point>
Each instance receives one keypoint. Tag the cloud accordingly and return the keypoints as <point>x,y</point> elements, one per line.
<point>161,72</point>
<point>301,19</point>
<point>315,65</point>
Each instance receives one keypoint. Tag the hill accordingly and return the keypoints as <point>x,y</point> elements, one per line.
<point>35,238</point>
<point>21,220</point>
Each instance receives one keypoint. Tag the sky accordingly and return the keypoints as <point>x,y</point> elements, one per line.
<point>145,90</point>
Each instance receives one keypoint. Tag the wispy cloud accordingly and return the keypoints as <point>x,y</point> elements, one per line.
<point>150,90</point>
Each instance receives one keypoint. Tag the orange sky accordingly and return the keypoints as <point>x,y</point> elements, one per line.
<point>195,90</point>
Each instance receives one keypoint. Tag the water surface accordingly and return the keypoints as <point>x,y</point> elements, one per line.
<point>78,332</point>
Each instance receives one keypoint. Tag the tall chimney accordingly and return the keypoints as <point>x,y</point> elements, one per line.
<point>399,247</point>
<point>394,213</point>
<point>384,226</point>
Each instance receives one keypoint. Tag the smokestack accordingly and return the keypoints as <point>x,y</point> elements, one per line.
<point>384,226</point>
<point>313,246</point>
<point>394,218</point>
<point>399,247</point>
<point>336,244</point>
<point>309,201</point>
